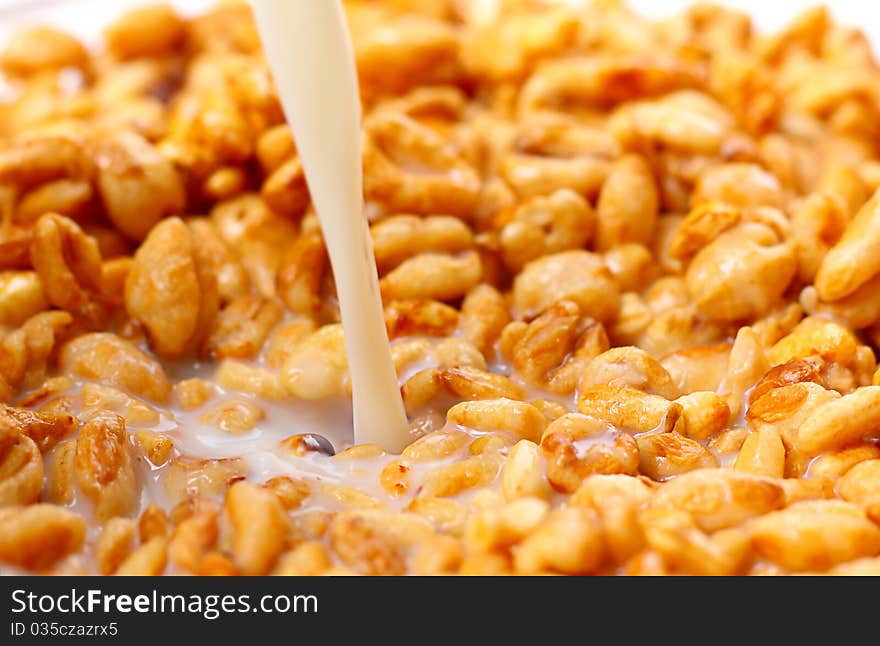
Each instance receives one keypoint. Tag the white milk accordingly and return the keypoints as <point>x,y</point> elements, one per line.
<point>309,52</point>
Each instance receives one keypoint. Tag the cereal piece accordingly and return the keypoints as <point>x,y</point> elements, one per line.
<point>665,455</point>
<point>103,466</point>
<point>519,418</point>
<point>317,365</point>
<point>628,203</point>
<point>763,453</point>
<point>147,560</point>
<point>172,289</point>
<point>41,48</point>
<point>156,447</point>
<point>570,542</point>
<point>306,559</point>
<point>114,544</point>
<point>106,357</point>
<point>137,184</point>
<point>815,535</point>
<point>38,536</point>
<point>522,474</point>
<point>403,236</point>
<point>152,523</point>
<point>719,498</point>
<point>841,421</point>
<point>21,468</point>
<point>627,408</point>
<point>193,393</point>
<point>191,538</point>
<point>260,526</point>
<point>237,375</point>
<point>242,327</point>
<point>578,276</point>
<point>21,296</point>
<point>433,276</point>
<point>235,416</point>
<point>850,263</point>
<point>186,477</point>
<point>145,31</point>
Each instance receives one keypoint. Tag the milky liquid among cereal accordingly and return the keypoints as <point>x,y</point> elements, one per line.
<point>307,45</point>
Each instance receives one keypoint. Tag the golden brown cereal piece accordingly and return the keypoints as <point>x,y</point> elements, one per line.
<point>815,336</point>
<point>21,468</point>
<point>284,339</point>
<point>137,184</point>
<point>106,357</point>
<point>739,184</point>
<point>554,349</point>
<point>629,366</point>
<point>60,477</point>
<point>703,414</point>
<point>38,49</point>
<point>629,409</point>
<point>100,397</point>
<point>114,544</point>
<point>833,465</point>
<point>235,416</point>
<point>249,378</point>
<point>317,365</point>
<point>46,429</point>
<point>570,542</point>
<point>187,477</point>
<point>627,206</point>
<point>675,536</point>
<point>149,559</point>
<point>861,485</point>
<point>521,419</point>
<point>153,522</point>
<point>300,272</point>
<point>38,536</point>
<point>285,190</point>
<point>408,168</point>
<point>741,274</point>
<point>194,392</point>
<point>68,263</point>
<point>763,453</point>
<point>191,538</point>
<point>242,327</point>
<point>376,541</point>
<point>403,236</point>
<point>172,289</point>
<point>145,31</point>
<point>850,263</point>
<point>306,559</point>
<point>469,473</point>
<point>719,498</point>
<point>25,353</point>
<point>290,491</point>
<point>156,447</point>
<point>260,525</point>
<point>841,421</point>
<point>104,465</point>
<point>578,276</point>
<point>499,528</point>
<point>522,474</point>
<point>616,498</point>
<point>665,455</point>
<point>815,535</point>
<point>473,383</point>
<point>21,296</point>
<point>699,367</point>
<point>568,463</point>
<point>420,318</point>
<point>68,197</point>
<point>433,276</point>
<point>546,225</point>
<point>791,372</point>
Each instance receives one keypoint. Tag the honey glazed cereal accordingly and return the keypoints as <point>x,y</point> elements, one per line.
<point>629,275</point>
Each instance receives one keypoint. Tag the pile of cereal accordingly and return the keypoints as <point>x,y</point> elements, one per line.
<point>630,272</point>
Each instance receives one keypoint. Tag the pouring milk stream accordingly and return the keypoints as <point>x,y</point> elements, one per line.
<point>309,51</point>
